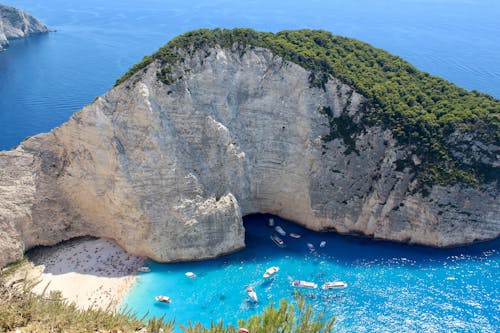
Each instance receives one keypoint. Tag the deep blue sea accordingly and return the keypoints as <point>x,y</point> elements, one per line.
<point>391,288</point>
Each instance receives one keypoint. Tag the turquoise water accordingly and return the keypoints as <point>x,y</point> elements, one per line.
<point>391,287</point>
<point>44,79</point>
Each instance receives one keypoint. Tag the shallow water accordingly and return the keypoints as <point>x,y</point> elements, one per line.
<point>44,79</point>
<point>391,287</point>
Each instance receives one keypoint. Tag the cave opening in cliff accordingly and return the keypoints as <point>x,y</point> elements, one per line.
<point>276,233</point>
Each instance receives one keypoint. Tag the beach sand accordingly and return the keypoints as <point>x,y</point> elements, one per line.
<point>90,272</point>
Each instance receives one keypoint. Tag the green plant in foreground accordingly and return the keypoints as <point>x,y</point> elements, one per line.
<point>23,310</point>
<point>287,318</point>
<point>160,325</point>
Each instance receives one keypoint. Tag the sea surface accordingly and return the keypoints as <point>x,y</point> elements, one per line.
<point>390,287</point>
<point>44,79</point>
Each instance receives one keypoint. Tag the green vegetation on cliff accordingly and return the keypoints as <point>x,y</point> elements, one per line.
<point>421,110</point>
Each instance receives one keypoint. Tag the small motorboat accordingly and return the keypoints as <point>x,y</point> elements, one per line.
<point>271,223</point>
<point>190,275</point>
<point>304,284</point>
<point>334,285</point>
<point>311,247</point>
<point>294,235</point>
<point>278,241</point>
<point>252,294</point>
<point>271,271</point>
<point>280,230</point>
<point>322,244</point>
<point>163,299</point>
<point>144,269</point>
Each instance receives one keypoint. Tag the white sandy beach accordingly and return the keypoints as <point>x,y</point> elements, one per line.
<point>89,272</point>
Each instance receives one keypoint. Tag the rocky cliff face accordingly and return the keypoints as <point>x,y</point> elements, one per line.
<point>15,23</point>
<point>168,171</point>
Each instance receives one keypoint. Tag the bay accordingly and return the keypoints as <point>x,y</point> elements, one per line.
<point>390,287</point>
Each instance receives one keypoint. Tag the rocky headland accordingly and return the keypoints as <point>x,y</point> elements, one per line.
<point>15,23</point>
<point>208,130</point>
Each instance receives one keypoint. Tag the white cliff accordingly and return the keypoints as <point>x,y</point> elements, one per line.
<point>168,171</point>
<point>15,23</point>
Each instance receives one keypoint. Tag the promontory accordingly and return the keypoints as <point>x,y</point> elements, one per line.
<point>326,131</point>
<point>15,23</point>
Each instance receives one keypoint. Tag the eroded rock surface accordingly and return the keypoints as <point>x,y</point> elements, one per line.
<point>168,171</point>
<point>15,23</point>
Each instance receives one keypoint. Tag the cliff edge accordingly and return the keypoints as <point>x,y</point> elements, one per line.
<point>202,133</point>
<point>15,23</point>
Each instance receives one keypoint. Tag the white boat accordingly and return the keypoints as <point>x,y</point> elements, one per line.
<point>163,299</point>
<point>322,244</point>
<point>311,247</point>
<point>252,294</point>
<point>294,235</point>
<point>144,269</point>
<point>271,271</point>
<point>278,241</point>
<point>334,285</point>
<point>304,284</point>
<point>271,222</point>
<point>190,275</point>
<point>280,230</point>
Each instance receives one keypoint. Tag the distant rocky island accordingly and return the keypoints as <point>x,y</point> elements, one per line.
<point>15,23</point>
<point>323,130</point>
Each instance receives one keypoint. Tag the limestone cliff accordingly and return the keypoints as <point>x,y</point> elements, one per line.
<point>15,23</point>
<point>168,170</point>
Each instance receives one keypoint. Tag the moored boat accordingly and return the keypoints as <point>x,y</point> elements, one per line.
<point>280,230</point>
<point>294,235</point>
<point>310,247</point>
<point>190,275</point>
<point>271,222</point>
<point>278,241</point>
<point>271,271</point>
<point>304,284</point>
<point>252,294</point>
<point>163,299</point>
<point>144,269</point>
<point>334,285</point>
<point>322,244</point>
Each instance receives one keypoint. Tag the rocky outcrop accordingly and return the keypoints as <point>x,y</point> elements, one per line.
<point>168,171</point>
<point>15,23</point>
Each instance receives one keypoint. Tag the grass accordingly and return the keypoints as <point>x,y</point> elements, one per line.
<point>25,311</point>
<point>286,318</point>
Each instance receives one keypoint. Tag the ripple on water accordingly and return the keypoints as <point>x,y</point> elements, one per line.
<point>391,287</point>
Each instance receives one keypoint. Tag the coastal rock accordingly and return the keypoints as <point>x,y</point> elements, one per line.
<point>168,170</point>
<point>15,23</point>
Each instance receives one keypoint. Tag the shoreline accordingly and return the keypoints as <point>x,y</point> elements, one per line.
<point>90,272</point>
